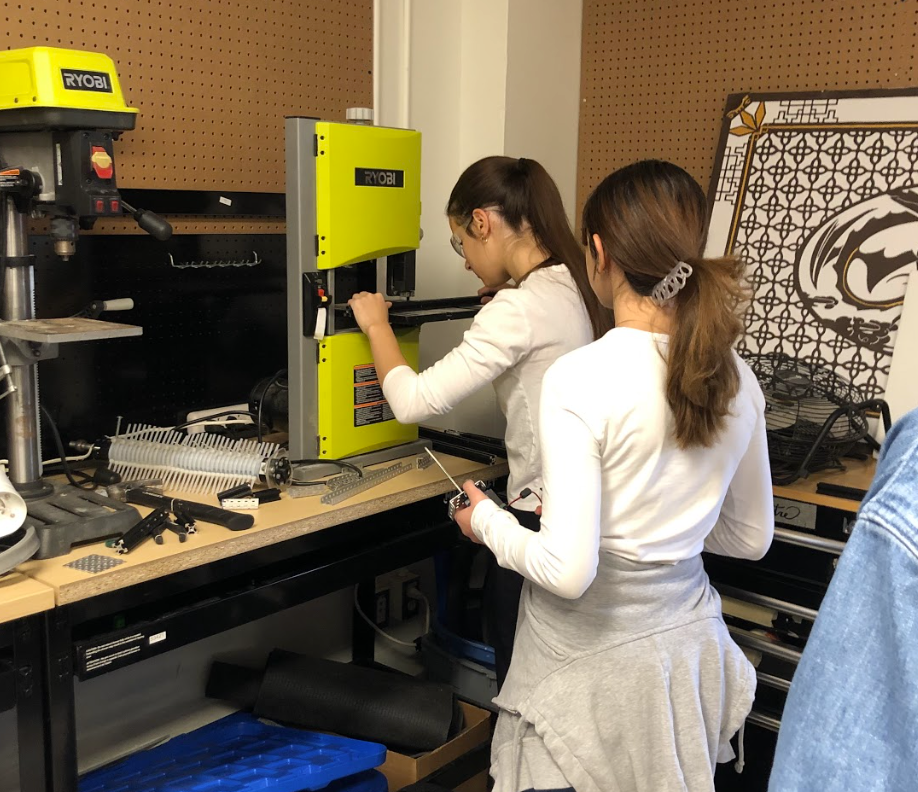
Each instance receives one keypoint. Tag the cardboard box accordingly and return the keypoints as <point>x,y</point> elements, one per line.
<point>401,770</point>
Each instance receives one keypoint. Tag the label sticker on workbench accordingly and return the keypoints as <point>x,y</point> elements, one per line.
<point>110,652</point>
<point>370,406</point>
<point>795,513</point>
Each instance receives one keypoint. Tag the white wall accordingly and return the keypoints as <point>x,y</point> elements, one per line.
<point>486,77</point>
<point>543,88</point>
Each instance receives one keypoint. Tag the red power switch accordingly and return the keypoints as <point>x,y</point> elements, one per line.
<point>100,206</point>
<point>102,164</point>
<point>115,207</point>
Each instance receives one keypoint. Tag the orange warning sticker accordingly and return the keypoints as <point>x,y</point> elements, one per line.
<point>370,406</point>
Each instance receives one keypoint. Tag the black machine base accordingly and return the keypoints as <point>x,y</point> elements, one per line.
<point>71,516</point>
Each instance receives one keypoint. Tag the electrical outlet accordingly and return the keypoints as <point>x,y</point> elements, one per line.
<point>398,584</point>
<point>411,606</point>
<point>381,611</point>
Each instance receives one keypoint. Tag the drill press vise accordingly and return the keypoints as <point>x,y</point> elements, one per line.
<point>60,113</point>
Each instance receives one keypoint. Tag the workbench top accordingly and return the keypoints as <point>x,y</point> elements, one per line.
<point>858,474</point>
<point>39,584</point>
<point>274,522</point>
<point>21,596</point>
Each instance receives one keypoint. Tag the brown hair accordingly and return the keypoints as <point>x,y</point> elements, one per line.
<point>649,216</point>
<point>523,192</point>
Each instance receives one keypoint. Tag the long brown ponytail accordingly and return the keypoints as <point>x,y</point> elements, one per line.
<point>524,193</point>
<point>649,216</point>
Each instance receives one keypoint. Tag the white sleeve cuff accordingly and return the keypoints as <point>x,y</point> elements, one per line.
<point>481,515</point>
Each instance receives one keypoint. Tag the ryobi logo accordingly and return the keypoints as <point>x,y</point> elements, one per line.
<point>378,177</point>
<point>79,80</point>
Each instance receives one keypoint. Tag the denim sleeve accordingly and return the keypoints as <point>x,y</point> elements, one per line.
<point>851,719</point>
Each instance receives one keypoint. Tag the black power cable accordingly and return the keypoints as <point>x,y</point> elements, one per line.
<point>68,471</point>
<point>223,414</point>
<point>264,392</point>
<point>337,462</point>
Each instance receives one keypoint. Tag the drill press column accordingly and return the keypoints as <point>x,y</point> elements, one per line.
<point>23,432</point>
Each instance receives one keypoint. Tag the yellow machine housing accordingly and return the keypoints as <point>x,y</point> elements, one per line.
<point>353,198</point>
<point>368,192</point>
<point>63,80</point>
<point>368,205</point>
<point>354,417</point>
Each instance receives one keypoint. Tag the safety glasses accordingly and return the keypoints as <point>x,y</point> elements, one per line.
<point>457,245</point>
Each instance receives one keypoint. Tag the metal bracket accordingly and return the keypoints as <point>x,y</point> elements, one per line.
<point>26,353</point>
<point>17,261</point>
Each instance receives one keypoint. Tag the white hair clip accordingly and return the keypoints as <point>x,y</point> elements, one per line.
<point>672,284</point>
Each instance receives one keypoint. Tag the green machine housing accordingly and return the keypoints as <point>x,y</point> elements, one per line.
<point>353,198</point>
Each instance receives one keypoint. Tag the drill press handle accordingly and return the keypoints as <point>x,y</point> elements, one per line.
<point>150,222</point>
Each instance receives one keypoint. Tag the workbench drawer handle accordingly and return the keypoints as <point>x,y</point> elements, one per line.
<point>813,542</point>
<point>765,721</point>
<point>753,598</point>
<point>772,681</point>
<point>763,645</point>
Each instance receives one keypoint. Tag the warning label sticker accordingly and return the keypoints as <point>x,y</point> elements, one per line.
<point>368,392</point>
<point>370,407</point>
<point>365,373</point>
<point>366,414</point>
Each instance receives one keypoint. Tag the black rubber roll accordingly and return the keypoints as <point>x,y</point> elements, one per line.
<point>233,683</point>
<point>401,712</point>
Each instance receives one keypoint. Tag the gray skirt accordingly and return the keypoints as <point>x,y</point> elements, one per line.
<point>634,687</point>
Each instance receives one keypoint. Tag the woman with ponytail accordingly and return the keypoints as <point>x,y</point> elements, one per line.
<point>624,675</point>
<point>508,224</point>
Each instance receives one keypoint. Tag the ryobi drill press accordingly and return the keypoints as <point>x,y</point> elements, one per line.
<point>60,111</point>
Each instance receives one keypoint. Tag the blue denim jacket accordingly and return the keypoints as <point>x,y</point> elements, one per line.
<point>851,719</point>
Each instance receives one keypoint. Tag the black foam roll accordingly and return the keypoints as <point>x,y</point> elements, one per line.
<point>233,683</point>
<point>400,712</point>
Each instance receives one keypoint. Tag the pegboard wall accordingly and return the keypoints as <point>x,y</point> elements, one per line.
<point>210,333</point>
<point>212,80</point>
<point>656,74</point>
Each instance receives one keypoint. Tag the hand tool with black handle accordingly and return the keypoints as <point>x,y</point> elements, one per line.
<point>199,512</point>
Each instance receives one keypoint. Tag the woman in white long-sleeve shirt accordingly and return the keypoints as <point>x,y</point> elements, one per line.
<point>653,448</point>
<point>508,223</point>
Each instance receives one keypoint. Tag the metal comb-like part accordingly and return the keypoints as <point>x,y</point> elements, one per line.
<point>350,487</point>
<point>348,479</point>
<point>197,463</point>
<point>95,563</point>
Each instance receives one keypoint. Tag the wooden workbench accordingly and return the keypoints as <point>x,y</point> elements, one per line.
<point>858,474</point>
<point>274,522</point>
<point>22,596</point>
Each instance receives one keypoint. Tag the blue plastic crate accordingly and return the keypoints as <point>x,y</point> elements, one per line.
<point>458,646</point>
<point>240,754</point>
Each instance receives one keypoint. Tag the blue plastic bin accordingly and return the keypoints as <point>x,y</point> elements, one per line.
<point>240,754</point>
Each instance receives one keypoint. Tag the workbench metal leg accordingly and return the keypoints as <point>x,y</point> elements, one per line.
<point>61,710</point>
<point>30,704</point>
<point>363,638</point>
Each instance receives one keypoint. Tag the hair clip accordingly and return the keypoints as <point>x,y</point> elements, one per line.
<point>672,284</point>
